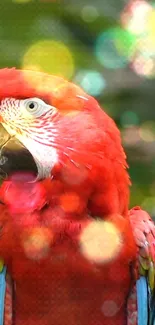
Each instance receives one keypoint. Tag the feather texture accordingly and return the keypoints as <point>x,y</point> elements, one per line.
<point>80,139</point>
<point>68,241</point>
<point>144,232</point>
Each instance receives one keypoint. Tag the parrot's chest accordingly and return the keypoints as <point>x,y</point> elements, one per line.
<point>69,289</point>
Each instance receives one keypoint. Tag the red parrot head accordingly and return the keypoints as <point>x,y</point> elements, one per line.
<point>40,111</point>
<point>51,123</point>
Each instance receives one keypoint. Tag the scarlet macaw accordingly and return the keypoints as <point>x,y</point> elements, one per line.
<point>74,252</point>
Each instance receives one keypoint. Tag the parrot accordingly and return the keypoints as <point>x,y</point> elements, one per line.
<point>72,252</point>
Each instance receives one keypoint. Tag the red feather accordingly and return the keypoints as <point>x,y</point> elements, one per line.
<point>41,244</point>
<point>55,282</point>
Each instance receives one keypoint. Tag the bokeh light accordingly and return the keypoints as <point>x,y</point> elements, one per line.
<point>147,131</point>
<point>143,62</point>
<point>138,17</point>
<point>70,202</point>
<point>110,308</point>
<point>36,242</point>
<point>151,21</point>
<point>89,13</point>
<point>135,16</point>
<point>129,118</point>
<point>131,136</point>
<point>91,81</point>
<point>100,241</point>
<point>49,56</point>
<point>115,47</point>
<point>144,66</point>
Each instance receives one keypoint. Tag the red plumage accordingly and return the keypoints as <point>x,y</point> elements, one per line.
<point>43,231</point>
<point>87,130</point>
<point>61,284</point>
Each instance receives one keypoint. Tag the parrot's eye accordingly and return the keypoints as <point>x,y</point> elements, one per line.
<point>32,105</point>
<point>35,106</point>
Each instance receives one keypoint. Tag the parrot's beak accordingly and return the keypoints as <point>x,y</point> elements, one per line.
<point>14,157</point>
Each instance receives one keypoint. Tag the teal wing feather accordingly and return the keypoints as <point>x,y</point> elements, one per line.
<point>2,294</point>
<point>142,301</point>
<point>144,233</point>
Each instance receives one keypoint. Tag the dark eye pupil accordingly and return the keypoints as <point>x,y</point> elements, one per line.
<point>31,105</point>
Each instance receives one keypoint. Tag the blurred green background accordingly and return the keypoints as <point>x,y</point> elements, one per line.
<point>108,48</point>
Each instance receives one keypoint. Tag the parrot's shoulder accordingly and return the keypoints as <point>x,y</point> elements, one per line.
<point>144,233</point>
<point>143,229</point>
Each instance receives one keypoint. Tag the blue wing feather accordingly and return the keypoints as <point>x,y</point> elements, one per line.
<point>145,303</point>
<point>142,301</point>
<point>144,233</point>
<point>2,294</point>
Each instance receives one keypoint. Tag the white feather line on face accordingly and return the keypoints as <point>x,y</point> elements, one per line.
<point>45,156</point>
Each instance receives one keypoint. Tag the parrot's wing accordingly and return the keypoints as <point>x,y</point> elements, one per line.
<point>2,293</point>
<point>6,297</point>
<point>143,295</point>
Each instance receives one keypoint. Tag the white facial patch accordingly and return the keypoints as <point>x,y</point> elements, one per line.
<point>31,122</point>
<point>45,156</point>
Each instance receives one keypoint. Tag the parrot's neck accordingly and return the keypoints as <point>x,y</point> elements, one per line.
<point>67,289</point>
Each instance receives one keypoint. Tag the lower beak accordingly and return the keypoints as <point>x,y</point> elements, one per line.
<point>14,157</point>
